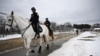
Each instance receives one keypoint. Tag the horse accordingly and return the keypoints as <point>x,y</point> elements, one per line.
<point>28,33</point>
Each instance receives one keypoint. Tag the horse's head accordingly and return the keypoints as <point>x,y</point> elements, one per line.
<point>10,23</point>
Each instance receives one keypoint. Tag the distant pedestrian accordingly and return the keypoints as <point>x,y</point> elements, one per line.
<point>77,32</point>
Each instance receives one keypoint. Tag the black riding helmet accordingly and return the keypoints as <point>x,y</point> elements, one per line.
<point>33,8</point>
<point>46,19</point>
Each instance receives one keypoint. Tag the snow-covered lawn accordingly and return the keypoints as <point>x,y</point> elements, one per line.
<point>86,44</point>
<point>16,36</point>
<point>19,36</point>
<point>10,37</point>
<point>63,32</point>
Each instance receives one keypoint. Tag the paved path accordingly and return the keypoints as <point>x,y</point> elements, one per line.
<point>57,44</point>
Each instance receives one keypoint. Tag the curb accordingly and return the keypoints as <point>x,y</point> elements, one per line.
<point>10,50</point>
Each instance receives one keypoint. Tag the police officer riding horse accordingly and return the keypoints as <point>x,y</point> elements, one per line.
<point>34,21</point>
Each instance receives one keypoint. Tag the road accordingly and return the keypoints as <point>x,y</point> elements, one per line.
<point>56,45</point>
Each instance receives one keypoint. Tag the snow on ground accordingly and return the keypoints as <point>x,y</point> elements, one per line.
<point>56,32</point>
<point>63,32</point>
<point>96,28</point>
<point>86,44</point>
<point>10,37</point>
<point>86,34</point>
<point>19,35</point>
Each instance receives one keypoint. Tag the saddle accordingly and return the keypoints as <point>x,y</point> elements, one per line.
<point>40,29</point>
<point>37,31</point>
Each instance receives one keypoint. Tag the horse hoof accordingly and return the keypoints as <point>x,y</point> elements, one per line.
<point>32,51</point>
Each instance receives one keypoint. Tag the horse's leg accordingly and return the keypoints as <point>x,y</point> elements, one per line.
<point>44,39</point>
<point>47,38</point>
<point>40,47</point>
<point>52,36</point>
<point>28,46</point>
<point>25,42</point>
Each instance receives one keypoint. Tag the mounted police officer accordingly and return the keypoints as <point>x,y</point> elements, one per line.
<point>47,23</point>
<point>35,21</point>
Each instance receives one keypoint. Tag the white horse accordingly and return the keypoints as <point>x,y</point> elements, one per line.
<point>29,33</point>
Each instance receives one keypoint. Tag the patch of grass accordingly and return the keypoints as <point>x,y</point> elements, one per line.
<point>10,44</point>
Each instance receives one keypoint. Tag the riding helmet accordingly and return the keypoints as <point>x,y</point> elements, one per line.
<point>33,8</point>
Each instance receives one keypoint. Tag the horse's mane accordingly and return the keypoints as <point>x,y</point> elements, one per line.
<point>22,18</point>
<point>25,19</point>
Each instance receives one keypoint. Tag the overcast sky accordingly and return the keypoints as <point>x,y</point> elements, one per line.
<point>60,11</point>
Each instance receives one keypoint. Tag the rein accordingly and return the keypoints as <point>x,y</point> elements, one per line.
<point>11,22</point>
<point>24,30</point>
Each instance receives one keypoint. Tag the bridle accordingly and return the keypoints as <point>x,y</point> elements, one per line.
<point>12,20</point>
<point>6,14</point>
<point>24,30</point>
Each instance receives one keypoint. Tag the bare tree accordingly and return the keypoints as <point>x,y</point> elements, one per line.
<point>2,26</point>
